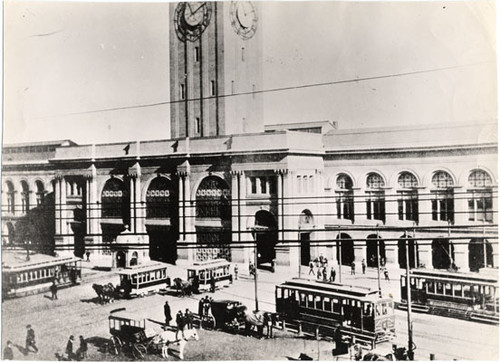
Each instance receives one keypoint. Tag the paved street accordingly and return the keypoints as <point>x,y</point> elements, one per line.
<point>77,313</point>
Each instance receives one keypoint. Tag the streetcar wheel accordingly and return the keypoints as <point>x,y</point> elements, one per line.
<point>139,351</point>
<point>114,346</point>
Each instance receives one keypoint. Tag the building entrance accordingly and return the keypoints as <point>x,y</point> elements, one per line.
<point>162,244</point>
<point>480,254</point>
<point>443,254</point>
<point>266,237</point>
<point>305,248</point>
<point>345,250</point>
<point>371,251</point>
<point>412,252</point>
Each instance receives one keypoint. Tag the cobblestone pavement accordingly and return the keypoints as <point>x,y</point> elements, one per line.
<point>76,312</point>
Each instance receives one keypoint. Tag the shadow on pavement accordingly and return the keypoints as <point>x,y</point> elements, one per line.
<point>99,342</point>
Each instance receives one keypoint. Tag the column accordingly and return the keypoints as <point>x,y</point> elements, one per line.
<point>391,253</point>
<point>461,206</point>
<point>181,249</point>
<point>425,253</point>
<point>462,255</point>
<point>132,226</point>
<point>359,246</point>
<point>245,236</point>
<point>391,207</point>
<point>289,223</point>
<point>58,206</point>
<point>494,246</point>
<point>359,205</point>
<point>424,206</point>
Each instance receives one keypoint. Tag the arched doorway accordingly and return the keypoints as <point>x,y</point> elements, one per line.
<point>78,225</point>
<point>213,219</point>
<point>120,259</point>
<point>115,209</point>
<point>162,220</point>
<point>480,252</point>
<point>134,259</point>
<point>346,253</point>
<point>371,250</point>
<point>11,233</point>
<point>412,252</point>
<point>306,224</point>
<point>443,253</point>
<point>266,237</point>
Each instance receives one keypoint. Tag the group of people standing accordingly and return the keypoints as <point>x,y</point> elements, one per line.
<point>319,268</point>
<point>80,353</point>
<point>183,320</point>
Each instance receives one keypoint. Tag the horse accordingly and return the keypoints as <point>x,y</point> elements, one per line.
<point>252,319</point>
<point>106,293</point>
<point>183,287</point>
<point>170,337</point>
<point>397,354</point>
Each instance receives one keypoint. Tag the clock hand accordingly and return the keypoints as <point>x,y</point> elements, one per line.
<point>199,7</point>
<point>190,10</point>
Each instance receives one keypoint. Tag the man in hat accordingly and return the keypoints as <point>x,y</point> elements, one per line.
<point>8,354</point>
<point>30,339</point>
<point>168,314</point>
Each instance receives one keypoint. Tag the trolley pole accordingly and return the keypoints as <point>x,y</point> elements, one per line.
<point>378,265</point>
<point>408,299</point>
<point>485,256</point>
<point>255,274</point>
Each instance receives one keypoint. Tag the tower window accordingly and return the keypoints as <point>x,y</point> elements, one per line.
<point>197,125</point>
<point>182,91</point>
<point>212,87</point>
<point>232,87</point>
<point>242,54</point>
<point>196,54</point>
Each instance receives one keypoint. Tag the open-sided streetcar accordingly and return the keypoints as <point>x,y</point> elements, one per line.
<point>220,269</point>
<point>340,311</point>
<point>142,279</point>
<point>459,295</point>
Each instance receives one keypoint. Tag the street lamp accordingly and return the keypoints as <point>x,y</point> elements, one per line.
<point>408,297</point>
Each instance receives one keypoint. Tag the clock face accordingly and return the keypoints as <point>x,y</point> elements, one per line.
<point>244,18</point>
<point>191,19</point>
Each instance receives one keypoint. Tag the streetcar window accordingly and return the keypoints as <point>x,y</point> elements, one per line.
<point>412,281</point>
<point>284,293</point>
<point>467,292</point>
<point>368,310</point>
<point>318,303</point>
<point>384,309</point>
<point>377,309</point>
<point>310,299</point>
<point>457,290</point>
<point>439,288</point>
<point>353,303</point>
<point>403,281</point>
<point>336,305</point>
<point>302,299</point>
<point>448,289</point>
<point>327,304</point>
<point>430,287</point>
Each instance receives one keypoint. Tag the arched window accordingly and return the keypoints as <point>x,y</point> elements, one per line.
<point>115,201</point>
<point>375,201</point>
<point>442,198</point>
<point>407,197</point>
<point>158,198</point>
<point>345,197</point>
<point>40,192</point>
<point>480,201</point>
<point>11,198</point>
<point>25,197</point>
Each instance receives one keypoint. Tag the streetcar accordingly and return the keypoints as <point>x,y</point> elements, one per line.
<point>220,269</point>
<point>460,295</point>
<point>37,274</point>
<point>143,279</point>
<point>344,312</point>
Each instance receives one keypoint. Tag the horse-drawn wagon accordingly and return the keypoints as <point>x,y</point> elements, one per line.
<point>140,336</point>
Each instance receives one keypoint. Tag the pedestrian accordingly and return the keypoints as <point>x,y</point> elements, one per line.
<point>168,314</point>
<point>8,353</point>
<point>235,271</point>
<point>251,269</point>
<point>69,348</point>
<point>196,284</point>
<point>268,322</point>
<point>30,339</point>
<point>324,274</point>
<point>311,267</point>
<point>353,268</point>
<point>332,274</point>
<point>179,319</point>
<point>88,256</point>
<point>212,283</point>
<point>83,348</point>
<point>363,265</point>
<point>188,316</point>
<point>53,290</point>
<point>318,274</point>
<point>386,275</point>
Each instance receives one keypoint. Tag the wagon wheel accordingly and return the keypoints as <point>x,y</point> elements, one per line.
<point>139,351</point>
<point>208,322</point>
<point>114,345</point>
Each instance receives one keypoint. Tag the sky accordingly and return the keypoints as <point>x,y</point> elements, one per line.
<point>386,64</point>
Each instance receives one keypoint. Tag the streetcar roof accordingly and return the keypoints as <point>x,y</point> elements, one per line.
<point>331,288</point>
<point>209,264</point>
<point>142,269</point>
<point>16,262</point>
<point>455,276</point>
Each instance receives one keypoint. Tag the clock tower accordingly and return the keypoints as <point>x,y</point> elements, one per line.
<point>215,69</point>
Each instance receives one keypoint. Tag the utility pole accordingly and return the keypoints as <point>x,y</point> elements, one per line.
<point>378,265</point>
<point>339,259</point>
<point>408,299</point>
<point>255,272</point>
